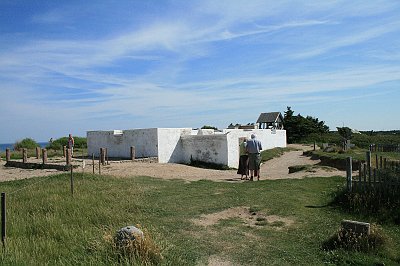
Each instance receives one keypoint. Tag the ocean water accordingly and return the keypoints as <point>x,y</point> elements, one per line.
<point>3,147</point>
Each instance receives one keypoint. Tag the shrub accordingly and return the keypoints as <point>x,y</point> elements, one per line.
<point>26,143</point>
<point>348,240</point>
<point>58,144</point>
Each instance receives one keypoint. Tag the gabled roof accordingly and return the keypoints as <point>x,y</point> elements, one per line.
<point>269,117</point>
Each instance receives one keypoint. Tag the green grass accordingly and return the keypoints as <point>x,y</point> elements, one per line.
<point>47,226</point>
<point>274,153</point>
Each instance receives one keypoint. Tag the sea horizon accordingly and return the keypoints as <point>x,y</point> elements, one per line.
<point>4,146</point>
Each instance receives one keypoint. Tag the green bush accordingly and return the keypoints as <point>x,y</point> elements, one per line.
<point>58,144</point>
<point>26,143</point>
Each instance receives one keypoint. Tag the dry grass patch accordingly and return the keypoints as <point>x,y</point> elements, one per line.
<point>251,218</point>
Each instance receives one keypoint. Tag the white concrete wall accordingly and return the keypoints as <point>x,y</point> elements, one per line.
<point>179,144</point>
<point>206,148</point>
<point>269,139</point>
<point>170,145</point>
<point>118,145</point>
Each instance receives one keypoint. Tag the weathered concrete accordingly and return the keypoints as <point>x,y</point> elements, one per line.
<point>179,145</point>
<point>356,227</point>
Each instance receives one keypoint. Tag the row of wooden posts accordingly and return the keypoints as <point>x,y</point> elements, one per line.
<point>67,153</point>
<point>376,178</point>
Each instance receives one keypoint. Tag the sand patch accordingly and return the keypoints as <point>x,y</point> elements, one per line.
<point>247,216</point>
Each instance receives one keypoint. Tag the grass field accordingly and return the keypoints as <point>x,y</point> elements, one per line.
<point>47,226</point>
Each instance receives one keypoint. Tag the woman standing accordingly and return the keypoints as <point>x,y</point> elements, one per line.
<point>243,168</point>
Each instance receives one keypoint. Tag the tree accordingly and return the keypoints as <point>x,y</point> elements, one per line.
<point>209,127</point>
<point>298,127</point>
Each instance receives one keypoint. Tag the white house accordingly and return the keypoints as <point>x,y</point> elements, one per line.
<point>179,145</point>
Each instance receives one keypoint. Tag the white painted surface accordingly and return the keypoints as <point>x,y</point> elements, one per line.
<point>205,148</point>
<point>178,145</point>
<point>170,145</point>
<point>118,145</point>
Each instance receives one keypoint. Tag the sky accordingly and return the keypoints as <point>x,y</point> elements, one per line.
<point>76,66</point>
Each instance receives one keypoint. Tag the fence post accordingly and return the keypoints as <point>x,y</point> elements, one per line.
<point>133,155</point>
<point>103,156</point>
<point>93,161</point>
<point>72,182</point>
<point>44,156</point>
<point>37,152</point>
<point>368,155</point>
<point>8,155</point>
<point>3,218</point>
<point>349,174</point>
<point>24,155</point>
<point>69,157</point>
<point>314,145</point>
<point>64,151</point>
<point>376,161</point>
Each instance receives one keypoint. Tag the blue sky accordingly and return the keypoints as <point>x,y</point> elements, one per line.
<point>73,66</point>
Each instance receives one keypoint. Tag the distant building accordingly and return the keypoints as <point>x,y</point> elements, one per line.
<point>272,120</point>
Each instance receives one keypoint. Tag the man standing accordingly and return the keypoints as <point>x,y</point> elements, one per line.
<point>71,143</point>
<point>254,148</point>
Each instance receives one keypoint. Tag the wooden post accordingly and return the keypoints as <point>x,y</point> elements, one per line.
<point>376,161</point>
<point>99,165</point>
<point>37,152</point>
<point>349,171</point>
<point>368,157</point>
<point>24,155</point>
<point>64,151</point>
<point>107,156</point>
<point>133,155</point>
<point>103,156</point>
<point>69,157</point>
<point>72,182</point>
<point>384,163</point>
<point>359,175</point>
<point>380,162</point>
<point>3,218</point>
<point>44,156</point>
<point>8,155</point>
<point>314,145</point>
<point>93,161</point>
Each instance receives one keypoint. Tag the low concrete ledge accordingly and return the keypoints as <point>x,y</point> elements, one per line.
<point>23,165</point>
<point>356,227</point>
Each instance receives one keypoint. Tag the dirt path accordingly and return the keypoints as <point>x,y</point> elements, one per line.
<point>274,169</point>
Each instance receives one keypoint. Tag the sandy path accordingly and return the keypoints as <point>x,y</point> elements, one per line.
<point>274,169</point>
<point>278,168</point>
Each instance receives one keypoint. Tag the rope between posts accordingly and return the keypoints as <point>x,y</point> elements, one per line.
<point>30,185</point>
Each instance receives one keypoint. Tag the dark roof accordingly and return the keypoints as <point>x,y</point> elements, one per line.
<point>269,117</point>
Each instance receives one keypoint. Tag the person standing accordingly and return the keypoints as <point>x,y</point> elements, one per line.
<point>243,169</point>
<point>254,148</point>
<point>71,144</point>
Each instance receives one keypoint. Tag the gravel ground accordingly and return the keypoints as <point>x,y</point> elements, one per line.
<point>273,169</point>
